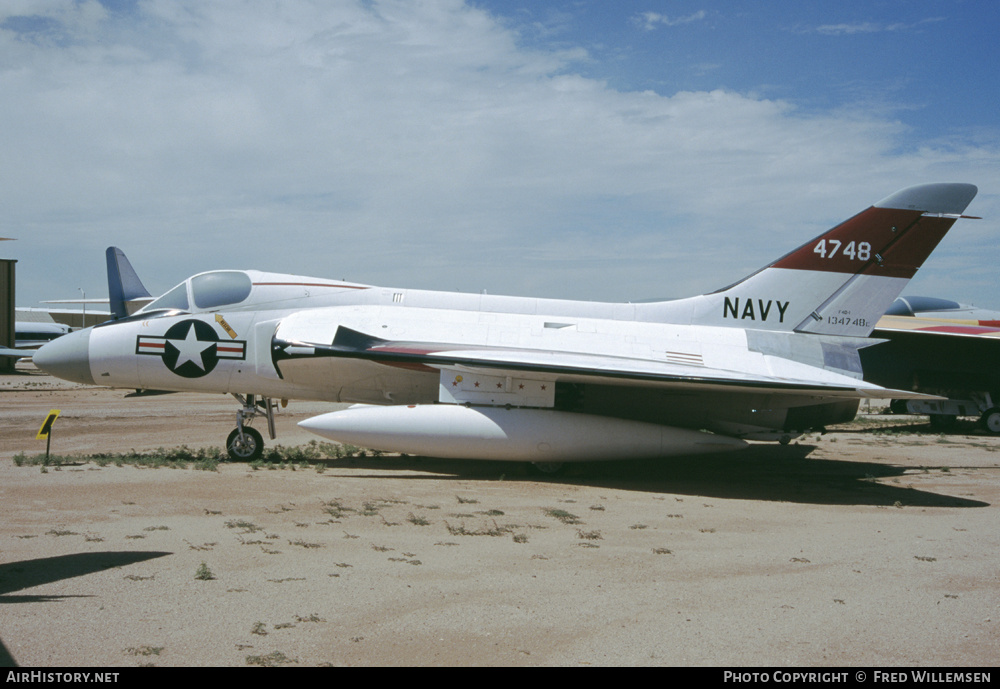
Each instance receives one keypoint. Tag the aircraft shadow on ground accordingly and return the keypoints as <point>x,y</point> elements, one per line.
<point>957,427</point>
<point>6,659</point>
<point>761,472</point>
<point>17,576</point>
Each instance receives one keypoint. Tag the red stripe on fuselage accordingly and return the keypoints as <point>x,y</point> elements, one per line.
<point>960,329</point>
<point>307,284</point>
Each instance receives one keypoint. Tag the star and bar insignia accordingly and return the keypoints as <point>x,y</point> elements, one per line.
<point>190,348</point>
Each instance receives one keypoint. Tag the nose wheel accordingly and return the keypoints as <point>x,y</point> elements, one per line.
<point>246,444</point>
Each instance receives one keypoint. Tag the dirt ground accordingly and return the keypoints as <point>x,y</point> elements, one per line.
<point>859,547</point>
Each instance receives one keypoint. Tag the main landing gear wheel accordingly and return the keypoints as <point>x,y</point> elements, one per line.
<point>244,443</point>
<point>247,449</point>
<point>991,421</point>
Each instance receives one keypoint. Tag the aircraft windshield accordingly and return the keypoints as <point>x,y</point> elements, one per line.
<point>220,288</point>
<point>174,299</point>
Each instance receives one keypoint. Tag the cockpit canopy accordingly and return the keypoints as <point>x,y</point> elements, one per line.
<point>911,306</point>
<point>241,290</point>
<point>205,291</point>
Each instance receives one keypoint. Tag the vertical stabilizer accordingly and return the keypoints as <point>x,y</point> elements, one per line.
<point>841,282</point>
<point>126,292</point>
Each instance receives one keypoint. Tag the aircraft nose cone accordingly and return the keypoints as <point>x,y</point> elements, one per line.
<point>67,357</point>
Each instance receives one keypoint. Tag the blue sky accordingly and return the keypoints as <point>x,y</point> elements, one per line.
<point>596,150</point>
<point>897,55</point>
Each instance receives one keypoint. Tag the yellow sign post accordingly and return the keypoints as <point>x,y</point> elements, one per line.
<point>46,430</point>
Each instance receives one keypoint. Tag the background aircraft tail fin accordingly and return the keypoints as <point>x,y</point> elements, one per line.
<point>841,282</point>
<point>126,292</point>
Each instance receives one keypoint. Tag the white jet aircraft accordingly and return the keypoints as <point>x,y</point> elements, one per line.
<point>29,336</point>
<point>540,380</point>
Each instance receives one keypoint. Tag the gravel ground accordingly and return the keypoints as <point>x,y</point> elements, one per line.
<point>858,547</point>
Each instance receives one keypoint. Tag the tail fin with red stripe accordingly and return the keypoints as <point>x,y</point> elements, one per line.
<point>841,282</point>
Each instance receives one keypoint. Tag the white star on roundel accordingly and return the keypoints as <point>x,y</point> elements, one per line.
<point>190,349</point>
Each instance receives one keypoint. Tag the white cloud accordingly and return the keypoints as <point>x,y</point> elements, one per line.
<point>872,27</point>
<point>414,144</point>
<point>653,20</point>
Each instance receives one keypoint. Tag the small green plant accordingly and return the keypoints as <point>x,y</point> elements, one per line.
<point>311,618</point>
<point>336,509</point>
<point>175,458</point>
<point>144,650</point>
<point>495,530</point>
<point>248,527</point>
<point>305,544</point>
<point>418,521</point>
<point>563,516</point>
<point>406,560</point>
<point>272,659</point>
<point>205,459</point>
<point>204,573</point>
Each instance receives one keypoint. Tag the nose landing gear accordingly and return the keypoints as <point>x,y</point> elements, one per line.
<point>246,444</point>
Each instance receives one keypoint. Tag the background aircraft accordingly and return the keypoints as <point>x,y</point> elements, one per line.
<point>33,335</point>
<point>541,380</point>
<point>935,307</point>
<point>126,295</point>
<point>943,348</point>
<point>29,336</point>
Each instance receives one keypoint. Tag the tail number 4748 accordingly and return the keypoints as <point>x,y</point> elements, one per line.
<point>828,248</point>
